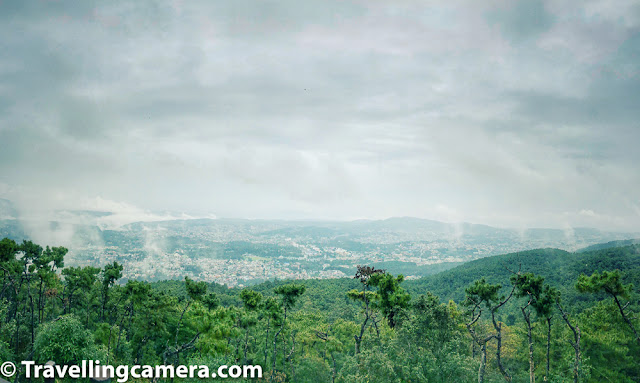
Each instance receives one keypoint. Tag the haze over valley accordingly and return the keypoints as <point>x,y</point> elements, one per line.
<point>239,252</point>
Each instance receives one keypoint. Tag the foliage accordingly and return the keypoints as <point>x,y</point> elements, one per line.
<point>64,341</point>
<point>376,327</point>
<point>392,299</point>
<point>608,282</point>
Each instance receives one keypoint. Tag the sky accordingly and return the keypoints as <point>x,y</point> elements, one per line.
<point>508,113</point>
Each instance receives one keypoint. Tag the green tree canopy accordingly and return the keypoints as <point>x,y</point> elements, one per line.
<point>64,341</point>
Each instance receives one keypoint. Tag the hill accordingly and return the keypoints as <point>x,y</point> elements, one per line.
<point>560,269</point>
<point>601,246</point>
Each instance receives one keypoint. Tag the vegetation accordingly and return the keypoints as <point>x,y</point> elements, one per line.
<point>545,314</point>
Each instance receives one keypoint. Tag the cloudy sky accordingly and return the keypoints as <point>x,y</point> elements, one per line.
<point>499,112</point>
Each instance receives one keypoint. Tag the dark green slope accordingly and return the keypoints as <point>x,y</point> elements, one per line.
<point>602,246</point>
<point>560,269</point>
<point>450,284</point>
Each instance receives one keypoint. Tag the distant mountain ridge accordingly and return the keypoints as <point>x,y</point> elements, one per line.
<point>405,224</point>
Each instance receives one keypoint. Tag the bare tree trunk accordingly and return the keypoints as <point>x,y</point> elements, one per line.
<point>266,340</point>
<point>292,356</point>
<point>275,343</point>
<point>109,344</point>
<point>625,317</point>
<point>527,318</point>
<point>129,332</point>
<point>180,323</point>
<point>362,328</point>
<point>375,326</point>
<point>480,342</point>
<point>498,327</point>
<point>576,368</point>
<point>33,327</point>
<point>284,353</point>
<point>575,343</point>
<point>546,376</point>
<point>40,301</point>
<point>88,311</point>
<point>246,345</point>
<point>367,316</point>
<point>18,317</point>
<point>335,370</point>
<point>124,315</point>
<point>62,300</point>
<point>483,363</point>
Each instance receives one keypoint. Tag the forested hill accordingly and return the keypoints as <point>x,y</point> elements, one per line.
<point>560,269</point>
<point>602,246</point>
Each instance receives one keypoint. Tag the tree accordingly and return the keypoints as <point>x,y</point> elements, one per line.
<point>50,260</point>
<point>8,249</point>
<point>78,279</point>
<point>110,274</point>
<point>211,301</point>
<point>528,286</point>
<point>610,283</point>
<point>252,301</point>
<point>482,295</point>
<point>575,343</point>
<point>64,341</point>
<point>364,274</point>
<point>391,298</point>
<point>544,309</point>
<point>195,291</point>
<point>434,335</point>
<point>289,294</point>
<point>22,266</point>
<point>8,265</point>
<point>31,253</point>
<point>270,310</point>
<point>136,293</point>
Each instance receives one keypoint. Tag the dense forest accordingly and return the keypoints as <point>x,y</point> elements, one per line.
<point>543,314</point>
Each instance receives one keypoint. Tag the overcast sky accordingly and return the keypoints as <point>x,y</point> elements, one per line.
<point>507,113</point>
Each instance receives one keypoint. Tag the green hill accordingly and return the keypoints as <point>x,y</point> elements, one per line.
<point>560,269</point>
<point>602,246</point>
